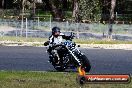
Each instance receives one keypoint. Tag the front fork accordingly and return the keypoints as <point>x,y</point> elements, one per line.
<point>75,57</point>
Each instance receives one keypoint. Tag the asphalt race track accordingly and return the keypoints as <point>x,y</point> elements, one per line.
<point>36,59</point>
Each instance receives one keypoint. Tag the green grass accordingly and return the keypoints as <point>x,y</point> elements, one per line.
<point>15,79</point>
<point>22,39</point>
<point>80,41</point>
<point>104,41</point>
<point>43,13</point>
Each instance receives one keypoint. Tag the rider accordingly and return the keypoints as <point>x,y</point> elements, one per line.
<point>55,39</point>
<point>57,36</point>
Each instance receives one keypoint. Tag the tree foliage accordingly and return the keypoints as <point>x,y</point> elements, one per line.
<point>56,7</point>
<point>90,9</point>
<point>18,4</point>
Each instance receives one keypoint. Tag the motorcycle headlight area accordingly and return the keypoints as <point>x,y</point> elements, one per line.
<point>69,44</point>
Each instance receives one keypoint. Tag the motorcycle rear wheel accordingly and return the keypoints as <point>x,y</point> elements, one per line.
<point>59,68</point>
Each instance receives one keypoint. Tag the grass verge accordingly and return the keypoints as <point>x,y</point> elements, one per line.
<point>22,39</point>
<point>21,79</point>
<point>80,41</point>
<point>104,41</point>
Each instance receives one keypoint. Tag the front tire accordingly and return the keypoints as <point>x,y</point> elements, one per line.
<point>85,63</point>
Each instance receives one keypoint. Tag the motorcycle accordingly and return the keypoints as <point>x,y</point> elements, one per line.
<point>69,57</point>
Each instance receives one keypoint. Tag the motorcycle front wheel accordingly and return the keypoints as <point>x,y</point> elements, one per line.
<point>85,63</point>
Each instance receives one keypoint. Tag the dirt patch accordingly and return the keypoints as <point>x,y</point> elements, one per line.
<point>108,46</point>
<point>100,46</point>
<point>6,28</point>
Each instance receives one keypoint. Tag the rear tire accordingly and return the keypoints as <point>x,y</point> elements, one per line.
<point>59,68</point>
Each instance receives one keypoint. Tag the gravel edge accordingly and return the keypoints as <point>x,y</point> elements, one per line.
<point>99,46</point>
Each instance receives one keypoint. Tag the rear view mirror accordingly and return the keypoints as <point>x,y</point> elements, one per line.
<point>78,46</point>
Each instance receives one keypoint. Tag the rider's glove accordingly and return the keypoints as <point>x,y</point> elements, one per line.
<point>46,43</point>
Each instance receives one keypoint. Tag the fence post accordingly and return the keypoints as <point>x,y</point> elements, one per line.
<point>38,22</point>
<point>26,27</point>
<point>78,30</point>
<point>67,25</point>
<point>21,25</point>
<point>16,26</point>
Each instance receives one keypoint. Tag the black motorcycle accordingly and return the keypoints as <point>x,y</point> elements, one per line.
<point>69,57</point>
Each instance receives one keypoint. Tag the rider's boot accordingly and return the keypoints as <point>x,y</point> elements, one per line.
<point>50,58</point>
<point>57,59</point>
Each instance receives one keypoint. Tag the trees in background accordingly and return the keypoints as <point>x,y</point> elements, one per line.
<point>19,4</point>
<point>2,4</point>
<point>6,4</point>
<point>75,11</point>
<point>56,8</point>
<point>92,10</point>
<point>81,9</point>
<point>111,20</point>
